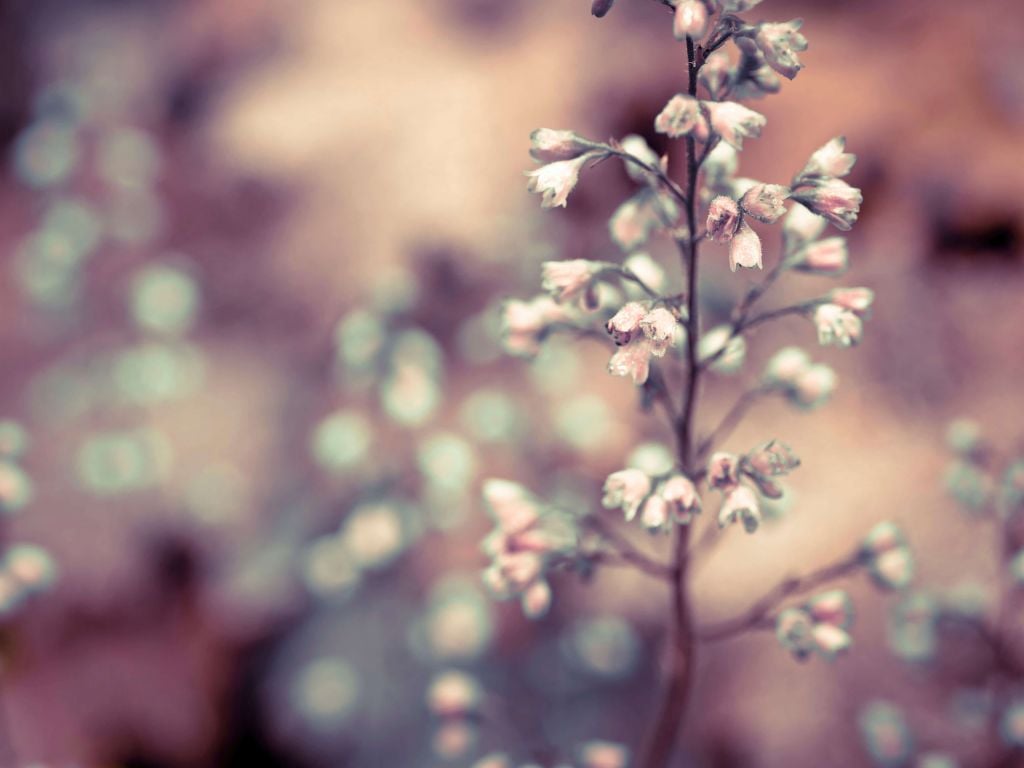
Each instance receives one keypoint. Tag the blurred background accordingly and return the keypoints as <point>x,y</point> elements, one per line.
<point>252,377</point>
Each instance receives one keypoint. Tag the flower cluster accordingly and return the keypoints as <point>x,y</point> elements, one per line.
<point>733,477</point>
<point>659,502</point>
<point>821,626</point>
<point>641,332</point>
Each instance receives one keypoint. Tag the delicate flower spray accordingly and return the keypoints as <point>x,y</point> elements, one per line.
<point>659,343</point>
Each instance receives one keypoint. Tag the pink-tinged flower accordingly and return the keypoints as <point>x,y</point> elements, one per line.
<point>453,694</point>
<point>723,470</point>
<point>740,504</point>
<point>888,557</point>
<point>512,506</point>
<point>519,569</point>
<point>648,270</point>
<point>626,489</point>
<point>734,122</point>
<point>549,146</point>
<point>714,75</point>
<point>780,44</point>
<point>659,325</point>
<point>837,325</point>
<point>536,599</point>
<point>793,630</point>
<point>723,219</point>
<point>633,222</point>
<point>833,607</point>
<point>834,199</point>
<point>525,323</point>
<point>830,641</point>
<point>603,754</point>
<point>857,300</point>
<point>832,160</point>
<point>633,360</point>
<point>745,249</point>
<point>681,117</point>
<point>638,147</point>
<point>691,20</point>
<point>555,181</point>
<point>497,759</point>
<point>772,459</point>
<point>655,513</point>
<point>568,280</point>
<point>765,202</point>
<point>814,386</point>
<point>801,227</point>
<point>825,257</point>
<point>624,325</point>
<point>725,351</point>
<point>683,500</point>
<point>786,365</point>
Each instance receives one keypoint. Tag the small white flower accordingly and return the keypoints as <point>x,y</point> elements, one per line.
<point>633,360</point>
<point>655,513</point>
<point>780,44</point>
<point>536,599</point>
<point>723,470</point>
<point>765,202</point>
<point>830,641</point>
<point>525,323</point>
<point>681,117</point>
<point>857,300</point>
<point>786,365</point>
<point>638,147</point>
<point>728,351</point>
<point>683,500</point>
<point>814,386</point>
<point>831,160</point>
<point>834,199</point>
<point>555,181</point>
<point>568,280</point>
<point>832,607</point>
<point>734,122</point>
<point>745,249</point>
<point>723,219</point>
<point>549,146</point>
<point>837,325</point>
<point>740,504</point>
<point>659,325</point>
<point>801,227</point>
<point>624,325</point>
<point>691,20</point>
<point>627,489</point>
<point>824,257</point>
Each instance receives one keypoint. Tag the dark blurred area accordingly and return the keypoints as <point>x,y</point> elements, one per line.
<point>252,253</point>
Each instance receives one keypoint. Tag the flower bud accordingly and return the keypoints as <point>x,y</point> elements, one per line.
<point>833,607</point>
<point>655,513</point>
<point>453,694</point>
<point>681,495</point>
<point>834,199</point>
<point>625,324</point>
<point>765,202</point>
<point>830,641</point>
<point>682,116</point>
<point>733,122</point>
<point>786,365</point>
<point>837,325</point>
<point>723,219</point>
<point>723,470</point>
<point>627,489</point>
<point>814,386</point>
<point>745,249</point>
<point>555,181</point>
<point>886,734</point>
<point>691,20</point>
<point>633,361</point>
<point>825,257</point>
<point>568,280</point>
<point>659,325</point>
<point>832,160</point>
<point>856,300</point>
<point>772,459</point>
<point>741,504</point>
<point>549,146</point>
<point>536,600</point>
<point>780,44</point>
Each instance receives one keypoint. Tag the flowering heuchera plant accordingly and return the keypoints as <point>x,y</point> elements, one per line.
<point>657,340</point>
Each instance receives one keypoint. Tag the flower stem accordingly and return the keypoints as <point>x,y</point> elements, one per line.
<point>668,721</point>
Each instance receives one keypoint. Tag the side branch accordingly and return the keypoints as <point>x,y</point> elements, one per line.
<point>756,616</point>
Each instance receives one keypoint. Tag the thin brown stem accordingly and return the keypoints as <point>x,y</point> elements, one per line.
<point>756,616</point>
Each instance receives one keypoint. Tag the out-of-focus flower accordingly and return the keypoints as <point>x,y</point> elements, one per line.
<point>745,249</point>
<point>886,735</point>
<point>603,754</point>
<point>554,181</point>
<point>814,386</point>
<point>912,631</point>
<point>31,566</point>
<point>737,6</point>
<point>723,219</point>
<point>771,460</point>
<point>740,504</point>
<point>647,269</point>
<point>765,202</point>
<point>970,486</point>
<point>833,199</point>
<point>801,227</point>
<point>780,44</point>
<point>786,365</point>
<point>721,165</point>
<point>754,77</point>
<point>536,600</point>
<point>793,630</point>
<point>837,325</point>
<point>624,325</point>
<point>734,122</point>
<point>524,324</point>
<point>888,557</point>
<point>633,361</point>
<point>638,217</point>
<point>832,607</point>
<point>626,489</point>
<point>963,436</point>
<point>728,351</point>
<point>453,694</point>
<point>682,115</point>
<point>1011,724</point>
<point>830,641</point>
<point>551,146</point>
<point>682,497</point>
<point>691,20</point>
<point>856,300</point>
<point>831,160</point>
<point>574,279</point>
<point>637,147</point>
<point>825,257</point>
<point>655,513</point>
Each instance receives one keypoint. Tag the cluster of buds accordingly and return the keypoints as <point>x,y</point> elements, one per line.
<point>804,383</point>
<point>659,502</point>
<point>733,476</point>
<point>839,319</point>
<point>454,698</point>
<point>640,332</point>
<point>526,540</point>
<point>822,625</point>
<point>887,556</point>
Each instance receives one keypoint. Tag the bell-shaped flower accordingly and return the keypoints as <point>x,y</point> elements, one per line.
<point>633,361</point>
<point>772,459</point>
<point>801,227</point>
<point>734,122</point>
<point>837,325</point>
<point>682,116</point>
<point>888,557</point>
<point>682,497</point>
<point>832,198</point>
<point>550,146</point>
<point>832,607</point>
<point>780,43</point>
<point>626,489</point>
<point>765,202</point>
<point>659,326</point>
<point>624,325</point>
<point>830,161</point>
<point>740,505</point>
<point>745,249</point>
<point>554,181</point>
<point>723,470</point>
<point>654,515</point>
<point>723,219</point>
